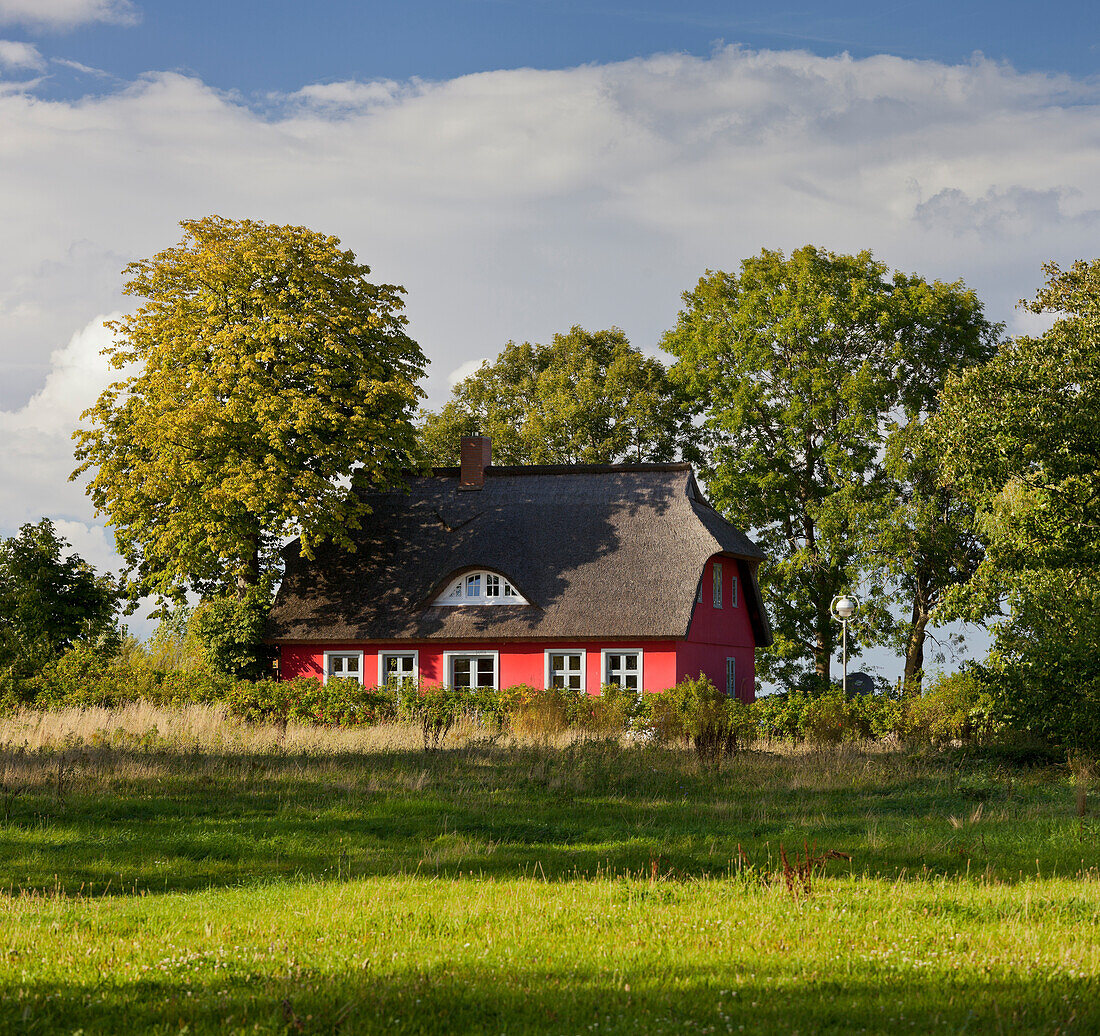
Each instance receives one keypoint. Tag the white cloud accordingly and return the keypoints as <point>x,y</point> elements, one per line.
<point>15,56</point>
<point>66,14</point>
<point>464,370</point>
<point>38,450</point>
<point>514,204</point>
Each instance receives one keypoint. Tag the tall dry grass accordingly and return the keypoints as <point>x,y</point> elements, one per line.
<point>192,728</point>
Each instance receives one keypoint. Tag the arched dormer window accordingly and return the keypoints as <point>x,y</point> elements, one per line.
<point>482,587</point>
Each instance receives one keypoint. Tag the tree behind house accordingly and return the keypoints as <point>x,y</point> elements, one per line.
<point>797,367</point>
<point>585,398</point>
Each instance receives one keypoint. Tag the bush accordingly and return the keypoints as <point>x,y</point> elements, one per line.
<point>954,708</point>
<point>435,708</point>
<point>696,711</point>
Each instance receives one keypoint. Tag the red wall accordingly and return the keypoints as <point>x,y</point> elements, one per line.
<point>520,661</point>
<point>714,635</point>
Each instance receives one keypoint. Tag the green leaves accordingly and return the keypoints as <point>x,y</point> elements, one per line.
<point>48,602</point>
<point>797,367</point>
<point>271,370</point>
<point>586,398</point>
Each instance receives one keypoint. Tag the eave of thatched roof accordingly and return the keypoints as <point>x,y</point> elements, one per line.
<point>608,552</point>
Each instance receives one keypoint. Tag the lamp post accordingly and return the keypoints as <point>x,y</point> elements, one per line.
<point>844,606</point>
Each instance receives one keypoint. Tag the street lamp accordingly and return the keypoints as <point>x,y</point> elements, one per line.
<point>844,606</point>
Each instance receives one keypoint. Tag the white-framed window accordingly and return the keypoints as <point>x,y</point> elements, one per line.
<point>622,668</point>
<point>717,584</point>
<point>399,667</point>
<point>343,665</point>
<point>479,588</point>
<point>733,592</point>
<point>468,670</point>
<point>731,677</point>
<point>565,668</point>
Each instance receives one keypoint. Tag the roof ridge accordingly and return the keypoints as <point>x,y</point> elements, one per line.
<point>563,469</point>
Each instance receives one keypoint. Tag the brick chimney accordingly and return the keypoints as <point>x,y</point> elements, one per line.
<point>477,452</point>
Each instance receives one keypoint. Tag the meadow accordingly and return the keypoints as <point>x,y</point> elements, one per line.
<point>169,870</point>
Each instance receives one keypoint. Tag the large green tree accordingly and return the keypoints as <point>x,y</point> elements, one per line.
<point>269,371</point>
<point>586,397</point>
<point>800,367</point>
<point>1020,441</point>
<point>48,600</point>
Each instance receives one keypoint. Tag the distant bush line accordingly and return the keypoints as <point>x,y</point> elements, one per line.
<point>954,709</point>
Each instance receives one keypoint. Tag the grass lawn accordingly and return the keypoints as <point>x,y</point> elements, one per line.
<point>207,877</point>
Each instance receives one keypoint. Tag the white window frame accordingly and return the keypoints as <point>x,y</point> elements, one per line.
<point>455,594</point>
<point>733,593</point>
<point>622,651</point>
<point>546,674</point>
<point>383,655</point>
<point>731,677</point>
<point>450,656</point>
<point>343,654</point>
<point>716,583</point>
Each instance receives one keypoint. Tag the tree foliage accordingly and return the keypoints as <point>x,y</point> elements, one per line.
<point>269,371</point>
<point>49,601</point>
<point>588,397</point>
<point>799,367</point>
<point>1020,436</point>
<point>924,542</point>
<point>1020,440</point>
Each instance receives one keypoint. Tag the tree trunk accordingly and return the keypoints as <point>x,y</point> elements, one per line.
<point>914,651</point>
<point>248,575</point>
<point>823,640</point>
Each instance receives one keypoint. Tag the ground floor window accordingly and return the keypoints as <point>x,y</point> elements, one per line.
<point>623,669</point>
<point>565,669</point>
<point>731,677</point>
<point>344,665</point>
<point>398,668</point>
<point>470,670</point>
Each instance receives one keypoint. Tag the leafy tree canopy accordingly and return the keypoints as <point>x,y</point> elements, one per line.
<point>270,371</point>
<point>49,601</point>
<point>586,397</point>
<point>799,367</point>
<point>1020,441</point>
<point>1020,436</point>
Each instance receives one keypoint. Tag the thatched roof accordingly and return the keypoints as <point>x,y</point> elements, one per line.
<point>599,551</point>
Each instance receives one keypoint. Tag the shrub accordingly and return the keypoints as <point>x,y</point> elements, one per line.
<point>954,708</point>
<point>231,632</point>
<point>608,714</point>
<point>435,708</point>
<point>831,718</point>
<point>696,711</point>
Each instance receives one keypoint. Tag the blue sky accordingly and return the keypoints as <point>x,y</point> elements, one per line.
<point>519,166</point>
<point>283,44</point>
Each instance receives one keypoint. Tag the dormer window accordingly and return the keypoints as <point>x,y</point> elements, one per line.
<point>479,588</point>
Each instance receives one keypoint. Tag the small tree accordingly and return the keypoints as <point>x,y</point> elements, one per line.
<point>270,372</point>
<point>48,601</point>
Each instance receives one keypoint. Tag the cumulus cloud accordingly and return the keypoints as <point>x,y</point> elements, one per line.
<point>464,370</point>
<point>20,56</point>
<point>67,14</point>
<point>38,451</point>
<point>514,204</point>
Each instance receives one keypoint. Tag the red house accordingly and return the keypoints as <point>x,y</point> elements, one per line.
<point>574,576</point>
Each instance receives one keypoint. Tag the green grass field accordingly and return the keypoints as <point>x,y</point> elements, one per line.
<point>208,877</point>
